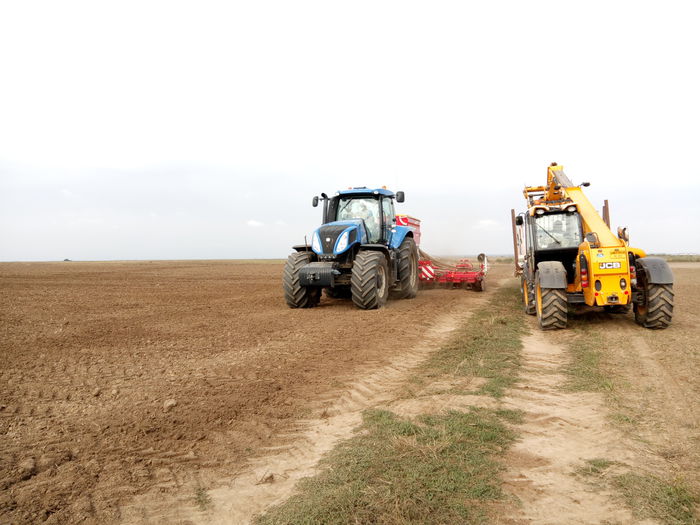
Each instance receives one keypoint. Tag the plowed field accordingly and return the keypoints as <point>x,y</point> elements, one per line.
<point>123,378</point>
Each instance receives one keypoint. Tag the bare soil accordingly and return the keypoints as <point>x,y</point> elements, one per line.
<point>138,378</point>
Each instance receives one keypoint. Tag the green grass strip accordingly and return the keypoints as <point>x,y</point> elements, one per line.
<point>436,469</point>
<point>488,345</point>
<point>671,503</point>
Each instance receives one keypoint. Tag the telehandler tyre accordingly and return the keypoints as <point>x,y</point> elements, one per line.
<point>408,270</point>
<point>528,299</point>
<point>298,296</point>
<point>657,310</point>
<point>369,281</point>
<point>551,306</point>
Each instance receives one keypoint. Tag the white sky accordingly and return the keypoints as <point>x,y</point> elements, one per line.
<point>153,130</point>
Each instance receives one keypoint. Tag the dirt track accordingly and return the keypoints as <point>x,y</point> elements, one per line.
<point>93,351</point>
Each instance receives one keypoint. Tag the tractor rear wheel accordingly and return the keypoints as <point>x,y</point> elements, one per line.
<point>298,296</point>
<point>657,310</point>
<point>370,280</point>
<point>551,306</point>
<point>528,299</point>
<point>408,270</point>
<point>479,286</point>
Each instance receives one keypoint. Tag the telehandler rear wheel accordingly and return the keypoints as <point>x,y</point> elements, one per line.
<point>551,306</point>
<point>298,296</point>
<point>528,299</point>
<point>657,310</point>
<point>408,270</point>
<point>369,280</point>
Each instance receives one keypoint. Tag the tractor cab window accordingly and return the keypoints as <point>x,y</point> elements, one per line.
<point>365,209</point>
<point>388,215</point>
<point>557,231</point>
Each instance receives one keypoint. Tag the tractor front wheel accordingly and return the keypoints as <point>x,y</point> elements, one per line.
<point>369,281</point>
<point>551,306</point>
<point>298,296</point>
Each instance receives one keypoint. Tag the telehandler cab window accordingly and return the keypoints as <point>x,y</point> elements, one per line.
<point>556,231</point>
<point>365,209</point>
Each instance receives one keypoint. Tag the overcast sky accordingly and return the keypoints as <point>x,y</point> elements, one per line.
<point>172,130</point>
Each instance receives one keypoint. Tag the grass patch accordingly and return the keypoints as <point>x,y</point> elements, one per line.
<point>595,467</point>
<point>585,370</point>
<point>651,497</point>
<point>434,469</point>
<point>202,499</point>
<point>487,346</point>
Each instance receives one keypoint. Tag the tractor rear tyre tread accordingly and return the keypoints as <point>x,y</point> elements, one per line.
<point>408,270</point>
<point>369,280</point>
<point>479,286</point>
<point>298,296</point>
<point>658,311</point>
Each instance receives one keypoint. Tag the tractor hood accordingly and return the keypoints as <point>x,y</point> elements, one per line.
<point>337,237</point>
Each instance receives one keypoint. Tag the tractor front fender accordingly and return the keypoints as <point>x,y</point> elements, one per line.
<point>656,269</point>
<point>302,248</point>
<point>399,233</point>
<point>552,274</point>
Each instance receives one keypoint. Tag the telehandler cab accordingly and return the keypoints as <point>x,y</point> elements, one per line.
<point>566,254</point>
<point>359,251</point>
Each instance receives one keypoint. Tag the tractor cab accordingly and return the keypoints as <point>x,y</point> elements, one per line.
<point>553,236</point>
<point>354,217</point>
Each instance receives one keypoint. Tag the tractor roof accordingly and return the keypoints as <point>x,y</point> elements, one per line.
<point>367,191</point>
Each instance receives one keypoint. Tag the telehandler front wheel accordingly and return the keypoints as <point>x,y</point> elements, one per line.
<point>551,306</point>
<point>298,296</point>
<point>369,281</point>
<point>528,299</point>
<point>657,309</point>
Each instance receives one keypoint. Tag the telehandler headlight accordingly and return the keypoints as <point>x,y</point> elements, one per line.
<point>316,243</point>
<point>623,283</point>
<point>571,209</point>
<point>539,211</point>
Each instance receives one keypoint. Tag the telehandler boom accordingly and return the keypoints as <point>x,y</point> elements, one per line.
<point>566,254</point>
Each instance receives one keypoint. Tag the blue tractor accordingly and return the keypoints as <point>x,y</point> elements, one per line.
<point>358,252</point>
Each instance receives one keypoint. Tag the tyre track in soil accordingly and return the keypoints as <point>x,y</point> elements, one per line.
<point>269,479</point>
<point>560,431</point>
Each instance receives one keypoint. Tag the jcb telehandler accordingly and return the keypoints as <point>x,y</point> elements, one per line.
<point>359,251</point>
<point>566,254</point>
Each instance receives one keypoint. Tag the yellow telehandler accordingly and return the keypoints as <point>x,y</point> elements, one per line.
<point>566,254</point>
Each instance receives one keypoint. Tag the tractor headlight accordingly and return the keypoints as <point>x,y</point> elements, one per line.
<point>342,242</point>
<point>316,243</point>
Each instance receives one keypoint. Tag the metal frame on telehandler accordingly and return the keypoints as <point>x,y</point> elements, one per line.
<point>584,264</point>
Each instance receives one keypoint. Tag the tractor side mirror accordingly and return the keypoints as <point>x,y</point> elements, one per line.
<point>314,201</point>
<point>400,197</point>
<point>592,239</point>
<point>519,220</point>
